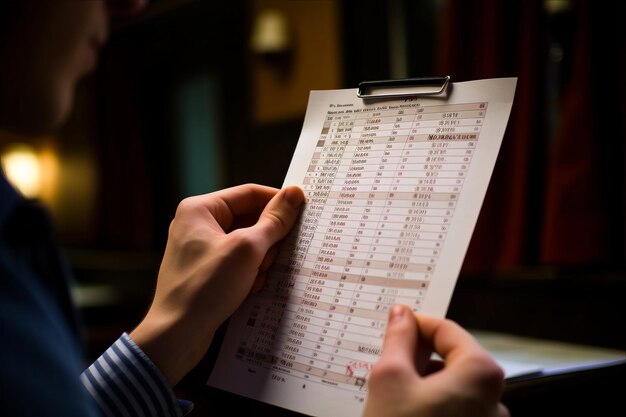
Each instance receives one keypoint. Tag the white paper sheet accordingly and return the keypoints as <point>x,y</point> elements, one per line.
<point>394,188</point>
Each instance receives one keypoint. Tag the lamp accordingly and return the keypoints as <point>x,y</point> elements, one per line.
<point>271,33</point>
<point>21,165</point>
<point>272,41</point>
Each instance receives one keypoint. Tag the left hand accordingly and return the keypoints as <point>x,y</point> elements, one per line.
<point>211,264</point>
<point>405,382</point>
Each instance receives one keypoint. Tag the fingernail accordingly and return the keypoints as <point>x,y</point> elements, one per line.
<point>294,197</point>
<point>396,312</point>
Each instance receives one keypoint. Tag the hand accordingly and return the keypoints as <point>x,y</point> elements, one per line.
<point>405,382</point>
<point>213,259</point>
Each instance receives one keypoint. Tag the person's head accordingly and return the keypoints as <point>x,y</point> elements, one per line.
<point>46,46</point>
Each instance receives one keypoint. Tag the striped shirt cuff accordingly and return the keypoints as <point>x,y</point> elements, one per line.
<point>125,382</point>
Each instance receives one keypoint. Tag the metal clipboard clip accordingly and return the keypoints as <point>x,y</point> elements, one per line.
<point>428,86</point>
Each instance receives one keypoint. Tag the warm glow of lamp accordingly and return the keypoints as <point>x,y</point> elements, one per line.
<point>21,166</point>
<point>271,33</point>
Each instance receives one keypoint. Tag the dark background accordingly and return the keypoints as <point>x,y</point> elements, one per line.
<point>547,256</point>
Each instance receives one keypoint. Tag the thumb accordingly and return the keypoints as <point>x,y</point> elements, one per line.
<point>279,215</point>
<point>400,339</point>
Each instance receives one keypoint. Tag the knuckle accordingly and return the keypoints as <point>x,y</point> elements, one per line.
<point>489,375</point>
<point>275,220</point>
<point>186,205</point>
<point>244,245</point>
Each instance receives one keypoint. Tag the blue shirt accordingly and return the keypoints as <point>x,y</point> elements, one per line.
<point>42,372</point>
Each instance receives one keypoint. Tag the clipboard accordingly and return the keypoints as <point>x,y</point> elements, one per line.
<point>425,86</point>
<point>382,225</point>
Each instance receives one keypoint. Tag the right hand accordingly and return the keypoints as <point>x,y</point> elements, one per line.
<point>402,383</point>
<point>219,249</point>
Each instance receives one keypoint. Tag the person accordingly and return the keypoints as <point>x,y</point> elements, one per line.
<point>209,267</point>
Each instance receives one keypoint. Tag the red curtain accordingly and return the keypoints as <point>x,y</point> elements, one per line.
<point>554,198</point>
<point>584,210</point>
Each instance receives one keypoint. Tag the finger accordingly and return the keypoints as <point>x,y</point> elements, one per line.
<point>424,354</point>
<point>259,282</point>
<point>243,201</point>
<point>279,216</point>
<point>269,259</point>
<point>400,336</point>
<point>465,359</point>
<point>447,338</point>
